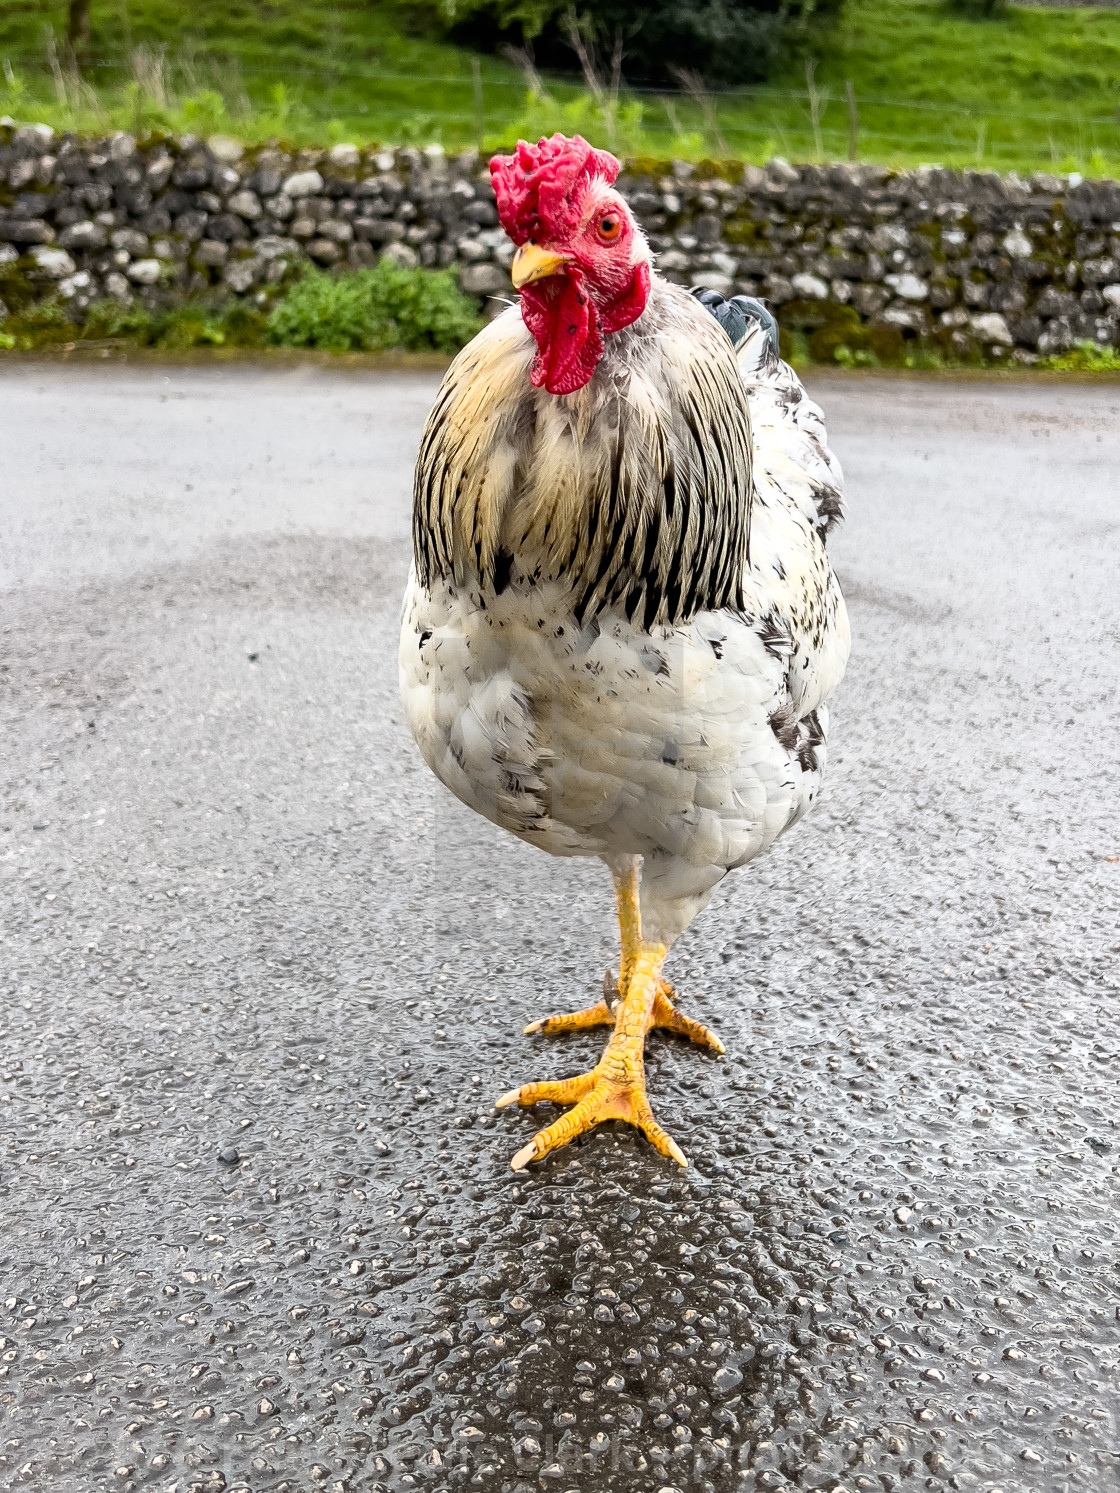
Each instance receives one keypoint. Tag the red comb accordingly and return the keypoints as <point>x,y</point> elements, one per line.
<point>536,187</point>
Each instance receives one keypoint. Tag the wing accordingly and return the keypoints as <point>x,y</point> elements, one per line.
<point>793,598</point>
<point>791,449</point>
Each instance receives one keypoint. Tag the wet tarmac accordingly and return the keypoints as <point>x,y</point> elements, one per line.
<point>263,979</point>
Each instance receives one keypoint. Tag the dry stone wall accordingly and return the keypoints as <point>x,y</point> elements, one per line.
<point>853,256</point>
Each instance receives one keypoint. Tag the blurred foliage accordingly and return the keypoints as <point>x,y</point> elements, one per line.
<point>1086,357</point>
<point>720,41</point>
<point>375,310</point>
<point>191,324</point>
<point>979,9</point>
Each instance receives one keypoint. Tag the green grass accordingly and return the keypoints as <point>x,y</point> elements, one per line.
<point>1033,89</point>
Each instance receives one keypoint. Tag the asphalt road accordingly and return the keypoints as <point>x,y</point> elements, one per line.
<point>263,979</point>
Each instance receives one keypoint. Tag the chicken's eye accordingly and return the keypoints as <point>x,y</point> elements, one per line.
<point>609,228</point>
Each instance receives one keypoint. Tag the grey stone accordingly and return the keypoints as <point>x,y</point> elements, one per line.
<point>712,280</point>
<point>303,184</point>
<point>225,149</point>
<point>908,286</point>
<point>122,147</point>
<point>1100,271</point>
<point>345,157</point>
<point>338,232</point>
<point>484,279</point>
<point>25,230</point>
<point>779,170</point>
<point>675,259</point>
<point>145,272</point>
<point>211,251</point>
<point>272,246</point>
<point>280,205</point>
<point>35,136</point>
<point>83,235</point>
<point>245,204</point>
<point>378,230</point>
<point>812,287</point>
<point>266,181</point>
<point>890,236</point>
<point>1057,336</point>
<point>325,251</point>
<point>991,327</point>
<point>778,289</point>
<point>54,263</point>
<point>129,240</point>
<point>869,299</point>
<point>404,256</point>
<point>191,225</point>
<point>1055,302</point>
<point>904,314</point>
<point>240,275</point>
<point>158,172</point>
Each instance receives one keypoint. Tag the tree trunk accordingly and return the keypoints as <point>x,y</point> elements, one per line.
<point>77,27</point>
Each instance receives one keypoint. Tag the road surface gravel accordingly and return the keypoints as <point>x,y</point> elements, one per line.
<point>263,978</point>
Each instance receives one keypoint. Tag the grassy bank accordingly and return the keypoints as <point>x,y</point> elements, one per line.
<point>1032,89</point>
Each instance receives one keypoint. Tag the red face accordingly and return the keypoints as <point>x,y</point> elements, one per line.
<point>583,265</point>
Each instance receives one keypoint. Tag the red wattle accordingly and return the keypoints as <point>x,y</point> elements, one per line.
<point>630,304</point>
<point>568,327</point>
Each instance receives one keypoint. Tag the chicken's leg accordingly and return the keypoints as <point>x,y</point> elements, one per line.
<point>615,1088</point>
<point>603,1013</point>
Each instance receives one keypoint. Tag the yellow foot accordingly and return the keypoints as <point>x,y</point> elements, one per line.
<point>665,1015</point>
<point>597,1096</point>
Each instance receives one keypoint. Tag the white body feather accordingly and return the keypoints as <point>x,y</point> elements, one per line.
<point>693,746</point>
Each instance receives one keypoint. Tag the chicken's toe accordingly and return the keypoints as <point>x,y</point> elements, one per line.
<point>575,1021</point>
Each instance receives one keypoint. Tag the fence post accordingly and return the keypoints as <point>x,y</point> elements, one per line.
<point>479,109</point>
<point>853,122</point>
<point>814,104</point>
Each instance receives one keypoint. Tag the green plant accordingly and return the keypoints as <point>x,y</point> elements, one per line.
<point>373,310</point>
<point>1086,357</point>
<point>854,357</point>
<point>176,328</point>
<point>41,323</point>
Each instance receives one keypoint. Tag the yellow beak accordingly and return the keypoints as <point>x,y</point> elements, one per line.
<point>533,263</point>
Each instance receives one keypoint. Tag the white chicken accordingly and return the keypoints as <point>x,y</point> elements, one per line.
<point>621,629</point>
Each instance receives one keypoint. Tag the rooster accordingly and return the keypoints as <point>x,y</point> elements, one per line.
<point>621,628</point>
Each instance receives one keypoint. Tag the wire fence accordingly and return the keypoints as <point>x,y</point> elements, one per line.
<point>812,123</point>
<point>760,92</point>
